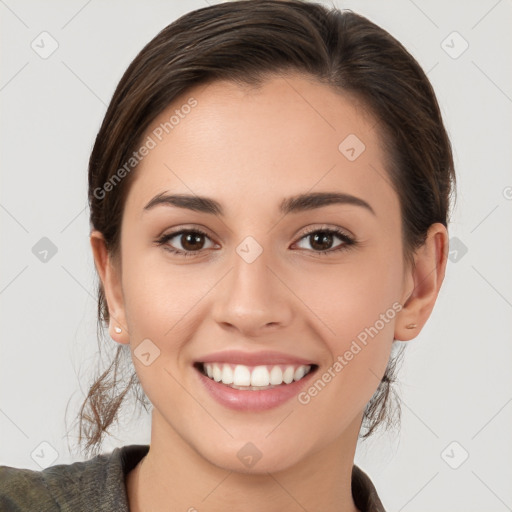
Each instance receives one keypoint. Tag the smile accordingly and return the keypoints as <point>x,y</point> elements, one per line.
<point>254,378</point>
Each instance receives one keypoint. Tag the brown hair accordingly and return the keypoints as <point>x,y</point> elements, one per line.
<point>244,42</point>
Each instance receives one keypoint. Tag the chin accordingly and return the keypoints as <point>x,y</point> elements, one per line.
<point>253,461</point>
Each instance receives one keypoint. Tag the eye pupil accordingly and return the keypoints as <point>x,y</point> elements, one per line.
<point>320,239</point>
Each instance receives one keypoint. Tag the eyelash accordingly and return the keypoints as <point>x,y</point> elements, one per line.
<point>348,241</point>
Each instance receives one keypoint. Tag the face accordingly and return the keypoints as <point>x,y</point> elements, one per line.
<point>265,277</point>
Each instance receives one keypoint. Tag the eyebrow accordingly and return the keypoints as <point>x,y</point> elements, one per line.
<point>294,204</point>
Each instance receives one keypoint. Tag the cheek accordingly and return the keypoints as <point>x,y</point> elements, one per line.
<point>339,393</point>
<point>158,304</point>
<point>358,356</point>
<point>358,305</point>
<point>159,295</point>
<point>354,295</point>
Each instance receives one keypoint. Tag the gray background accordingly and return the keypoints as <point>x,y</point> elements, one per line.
<point>455,383</point>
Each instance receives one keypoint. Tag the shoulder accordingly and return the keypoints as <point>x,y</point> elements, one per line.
<point>95,484</point>
<point>22,488</point>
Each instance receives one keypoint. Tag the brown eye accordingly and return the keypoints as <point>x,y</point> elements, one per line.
<point>189,241</point>
<point>322,240</point>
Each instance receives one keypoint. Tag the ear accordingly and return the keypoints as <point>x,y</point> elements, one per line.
<point>422,283</point>
<point>110,275</point>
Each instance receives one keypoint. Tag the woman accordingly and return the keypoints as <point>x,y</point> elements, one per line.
<point>269,196</point>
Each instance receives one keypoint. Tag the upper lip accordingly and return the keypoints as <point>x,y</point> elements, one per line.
<point>253,358</point>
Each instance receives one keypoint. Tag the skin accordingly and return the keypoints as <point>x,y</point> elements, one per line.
<point>248,149</point>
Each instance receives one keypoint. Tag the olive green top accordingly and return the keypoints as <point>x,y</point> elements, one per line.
<point>99,485</point>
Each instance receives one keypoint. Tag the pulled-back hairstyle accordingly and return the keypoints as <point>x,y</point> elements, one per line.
<point>246,42</point>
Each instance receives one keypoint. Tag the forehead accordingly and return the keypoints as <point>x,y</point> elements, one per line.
<point>246,145</point>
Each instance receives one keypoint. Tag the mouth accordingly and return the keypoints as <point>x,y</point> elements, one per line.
<point>254,378</point>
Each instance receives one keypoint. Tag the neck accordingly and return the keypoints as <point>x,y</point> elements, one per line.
<point>173,475</point>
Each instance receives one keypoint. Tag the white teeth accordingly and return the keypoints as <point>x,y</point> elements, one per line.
<point>288,374</point>
<point>227,374</point>
<point>299,373</point>
<point>260,376</point>
<point>217,373</point>
<point>276,376</point>
<point>255,377</point>
<point>242,375</point>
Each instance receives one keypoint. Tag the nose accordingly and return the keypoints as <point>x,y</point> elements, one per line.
<point>253,298</point>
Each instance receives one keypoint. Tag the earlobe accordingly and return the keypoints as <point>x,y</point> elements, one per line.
<point>427,277</point>
<point>117,333</point>
<point>109,274</point>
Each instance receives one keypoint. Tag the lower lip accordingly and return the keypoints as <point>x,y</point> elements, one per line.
<point>242,400</point>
